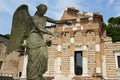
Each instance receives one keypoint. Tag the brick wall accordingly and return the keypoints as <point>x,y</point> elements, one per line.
<point>81,36</point>
<point>110,58</point>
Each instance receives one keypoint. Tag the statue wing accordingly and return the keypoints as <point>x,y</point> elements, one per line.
<point>22,23</point>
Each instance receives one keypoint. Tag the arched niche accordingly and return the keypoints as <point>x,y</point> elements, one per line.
<point>90,36</point>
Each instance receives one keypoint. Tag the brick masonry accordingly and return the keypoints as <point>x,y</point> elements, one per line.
<point>87,34</point>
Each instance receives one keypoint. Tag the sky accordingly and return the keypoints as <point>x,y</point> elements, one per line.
<point>108,8</point>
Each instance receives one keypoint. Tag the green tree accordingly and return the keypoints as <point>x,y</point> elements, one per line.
<point>113,28</point>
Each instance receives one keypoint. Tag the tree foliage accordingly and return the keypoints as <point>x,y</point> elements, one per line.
<point>113,28</point>
<point>7,35</point>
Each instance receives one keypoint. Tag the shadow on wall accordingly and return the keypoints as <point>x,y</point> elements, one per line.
<point>6,78</point>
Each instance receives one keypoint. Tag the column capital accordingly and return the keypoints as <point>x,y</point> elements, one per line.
<point>59,54</point>
<point>60,34</point>
<point>84,32</point>
<point>85,54</point>
<point>84,40</point>
<point>72,33</point>
<point>97,31</point>
<point>72,45</point>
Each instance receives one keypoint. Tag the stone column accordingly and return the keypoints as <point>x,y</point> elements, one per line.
<point>24,63</point>
<point>59,54</point>
<point>98,55</point>
<point>84,53</point>
<point>24,67</point>
<point>72,44</point>
<point>103,64</point>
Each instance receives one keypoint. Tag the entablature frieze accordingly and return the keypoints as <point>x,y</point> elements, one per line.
<point>84,32</point>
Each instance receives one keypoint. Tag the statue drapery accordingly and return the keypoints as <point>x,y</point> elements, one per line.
<point>34,26</point>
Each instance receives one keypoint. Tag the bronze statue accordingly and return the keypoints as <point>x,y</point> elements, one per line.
<point>34,26</point>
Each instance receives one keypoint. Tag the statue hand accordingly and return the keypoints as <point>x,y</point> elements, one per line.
<point>68,22</point>
<point>55,34</point>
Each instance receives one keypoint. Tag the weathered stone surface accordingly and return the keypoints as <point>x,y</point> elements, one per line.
<point>83,39</point>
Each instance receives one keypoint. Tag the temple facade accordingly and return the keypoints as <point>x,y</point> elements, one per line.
<point>81,51</point>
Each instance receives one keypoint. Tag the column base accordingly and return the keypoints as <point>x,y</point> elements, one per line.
<point>63,77</point>
<point>85,74</point>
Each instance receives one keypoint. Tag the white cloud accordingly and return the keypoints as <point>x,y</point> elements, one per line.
<point>99,1</point>
<point>110,2</point>
<point>61,5</point>
<point>116,6</point>
<point>117,9</point>
<point>11,5</point>
<point>55,7</point>
<point>5,7</point>
<point>69,3</point>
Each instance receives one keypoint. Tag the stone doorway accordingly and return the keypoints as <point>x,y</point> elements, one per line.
<point>78,62</point>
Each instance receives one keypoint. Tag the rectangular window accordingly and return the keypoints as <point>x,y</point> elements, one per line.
<point>1,64</point>
<point>118,60</point>
<point>78,62</point>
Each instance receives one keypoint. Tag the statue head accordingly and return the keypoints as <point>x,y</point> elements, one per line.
<point>41,9</point>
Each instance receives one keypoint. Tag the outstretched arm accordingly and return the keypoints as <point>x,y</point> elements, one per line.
<point>58,21</point>
<point>47,32</point>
